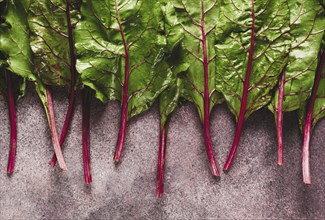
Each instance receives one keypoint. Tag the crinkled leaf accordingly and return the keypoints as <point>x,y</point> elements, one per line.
<point>50,40</point>
<point>186,16</point>
<point>307,25</point>
<point>319,105</point>
<point>169,99</point>
<point>233,36</point>
<point>14,44</point>
<point>14,39</point>
<point>102,52</point>
<point>196,20</point>
<point>14,47</point>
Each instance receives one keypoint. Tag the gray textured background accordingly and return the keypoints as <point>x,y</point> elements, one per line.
<point>255,188</point>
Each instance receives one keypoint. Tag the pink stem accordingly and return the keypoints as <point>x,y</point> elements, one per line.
<point>124,113</point>
<point>54,134</point>
<point>65,125</point>
<point>308,123</point>
<point>279,119</point>
<point>206,122</point>
<point>13,125</point>
<point>85,136</point>
<point>73,72</point>
<point>242,112</point>
<point>161,162</point>
<point>206,98</point>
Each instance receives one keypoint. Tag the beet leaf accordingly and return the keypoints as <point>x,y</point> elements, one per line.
<point>197,22</point>
<point>52,42</point>
<point>15,62</point>
<point>121,55</point>
<point>251,48</point>
<point>169,98</point>
<point>306,30</point>
<point>312,113</point>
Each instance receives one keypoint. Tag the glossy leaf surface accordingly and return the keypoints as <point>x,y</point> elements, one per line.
<point>233,34</point>
<point>14,39</point>
<point>50,40</point>
<point>115,38</point>
<point>307,25</point>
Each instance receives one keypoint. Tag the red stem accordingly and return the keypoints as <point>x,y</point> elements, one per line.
<point>85,135</point>
<point>161,162</point>
<point>73,72</point>
<point>308,123</point>
<point>242,112</point>
<point>279,119</point>
<point>54,134</point>
<point>124,113</point>
<point>13,125</point>
<point>206,122</point>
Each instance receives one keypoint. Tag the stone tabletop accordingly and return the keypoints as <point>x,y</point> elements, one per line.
<point>255,188</point>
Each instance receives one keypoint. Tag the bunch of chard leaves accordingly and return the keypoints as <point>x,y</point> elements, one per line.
<point>252,44</point>
<point>121,55</point>
<point>296,80</point>
<point>15,62</point>
<point>249,53</point>
<point>52,41</point>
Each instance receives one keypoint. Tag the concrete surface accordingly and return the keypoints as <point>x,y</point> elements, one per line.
<point>255,188</point>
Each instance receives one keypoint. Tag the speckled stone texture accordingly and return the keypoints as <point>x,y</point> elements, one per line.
<point>255,187</point>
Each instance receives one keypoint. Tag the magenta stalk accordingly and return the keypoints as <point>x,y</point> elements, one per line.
<point>308,123</point>
<point>13,125</point>
<point>279,119</point>
<point>242,112</point>
<point>124,113</point>
<point>85,135</point>
<point>161,162</point>
<point>206,98</point>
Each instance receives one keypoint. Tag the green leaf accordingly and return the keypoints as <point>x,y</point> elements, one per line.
<point>102,51</point>
<point>318,111</point>
<point>307,25</point>
<point>14,48</point>
<point>196,21</point>
<point>169,99</point>
<point>14,39</point>
<point>14,43</point>
<point>187,15</point>
<point>49,25</point>
<point>233,36</point>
